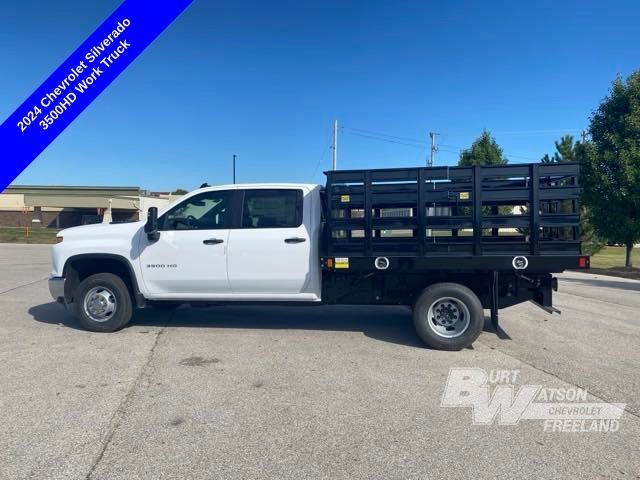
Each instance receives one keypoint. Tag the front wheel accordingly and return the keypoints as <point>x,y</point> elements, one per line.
<point>448,316</point>
<point>102,303</point>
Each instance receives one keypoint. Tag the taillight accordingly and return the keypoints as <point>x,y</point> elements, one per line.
<point>583,261</point>
<point>58,239</point>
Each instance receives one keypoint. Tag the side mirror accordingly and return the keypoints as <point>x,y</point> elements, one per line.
<point>151,227</point>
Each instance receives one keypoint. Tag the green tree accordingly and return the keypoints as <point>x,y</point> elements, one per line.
<point>179,191</point>
<point>569,151</point>
<point>611,165</point>
<point>591,242</point>
<point>484,151</point>
<point>565,151</point>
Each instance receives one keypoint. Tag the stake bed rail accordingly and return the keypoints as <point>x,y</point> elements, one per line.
<point>476,214</point>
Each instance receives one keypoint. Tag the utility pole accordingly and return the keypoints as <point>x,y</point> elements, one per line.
<point>584,135</point>
<point>432,154</point>
<point>234,168</point>
<point>334,147</point>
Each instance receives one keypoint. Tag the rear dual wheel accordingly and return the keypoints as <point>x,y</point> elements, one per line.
<point>448,316</point>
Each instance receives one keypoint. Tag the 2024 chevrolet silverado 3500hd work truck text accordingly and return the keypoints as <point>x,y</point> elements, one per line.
<point>447,241</point>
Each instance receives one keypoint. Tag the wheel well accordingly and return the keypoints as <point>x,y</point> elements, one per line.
<point>478,283</point>
<point>78,268</point>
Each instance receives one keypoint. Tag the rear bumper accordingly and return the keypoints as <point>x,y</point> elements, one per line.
<point>56,288</point>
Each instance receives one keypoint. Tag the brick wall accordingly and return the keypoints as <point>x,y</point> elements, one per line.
<point>9,218</point>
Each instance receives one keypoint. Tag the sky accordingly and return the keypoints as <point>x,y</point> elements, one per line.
<point>265,81</point>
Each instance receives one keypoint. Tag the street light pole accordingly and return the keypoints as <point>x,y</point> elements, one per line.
<point>234,168</point>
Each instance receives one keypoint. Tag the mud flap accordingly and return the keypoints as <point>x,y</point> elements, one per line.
<point>543,296</point>
<point>494,301</point>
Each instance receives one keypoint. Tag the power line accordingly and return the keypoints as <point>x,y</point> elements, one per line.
<point>424,147</point>
<point>516,132</point>
<point>447,150</point>
<point>555,131</point>
<point>421,147</point>
<point>537,132</point>
<point>496,132</point>
<point>422,144</point>
<point>370,132</point>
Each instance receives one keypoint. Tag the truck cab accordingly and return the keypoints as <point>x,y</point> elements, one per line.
<point>256,242</point>
<point>245,242</point>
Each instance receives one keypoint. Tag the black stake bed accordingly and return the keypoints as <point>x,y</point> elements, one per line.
<point>469,218</point>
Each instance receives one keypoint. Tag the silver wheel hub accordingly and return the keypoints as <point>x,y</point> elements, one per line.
<point>448,317</point>
<point>100,304</point>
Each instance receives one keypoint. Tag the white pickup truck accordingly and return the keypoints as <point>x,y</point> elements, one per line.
<point>305,245</point>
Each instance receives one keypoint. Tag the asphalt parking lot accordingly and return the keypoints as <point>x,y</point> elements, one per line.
<point>325,392</point>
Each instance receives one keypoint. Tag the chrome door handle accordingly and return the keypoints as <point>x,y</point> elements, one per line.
<point>295,240</point>
<point>212,241</point>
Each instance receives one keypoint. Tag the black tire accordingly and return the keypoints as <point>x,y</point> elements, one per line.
<point>462,298</point>
<point>110,284</point>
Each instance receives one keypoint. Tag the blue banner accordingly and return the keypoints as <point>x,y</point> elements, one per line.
<point>80,79</point>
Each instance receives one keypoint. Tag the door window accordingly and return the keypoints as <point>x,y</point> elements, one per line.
<point>272,208</point>
<point>206,211</point>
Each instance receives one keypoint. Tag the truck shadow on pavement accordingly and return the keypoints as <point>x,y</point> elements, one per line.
<point>603,281</point>
<point>387,324</point>
<point>54,314</point>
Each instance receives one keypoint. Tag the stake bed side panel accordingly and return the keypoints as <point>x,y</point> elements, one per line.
<point>461,212</point>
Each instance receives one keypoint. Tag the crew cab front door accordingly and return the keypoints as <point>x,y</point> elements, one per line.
<point>189,260</point>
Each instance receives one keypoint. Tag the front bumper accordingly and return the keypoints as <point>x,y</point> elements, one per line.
<point>56,288</point>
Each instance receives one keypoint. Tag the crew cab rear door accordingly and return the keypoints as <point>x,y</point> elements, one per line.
<point>273,253</point>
